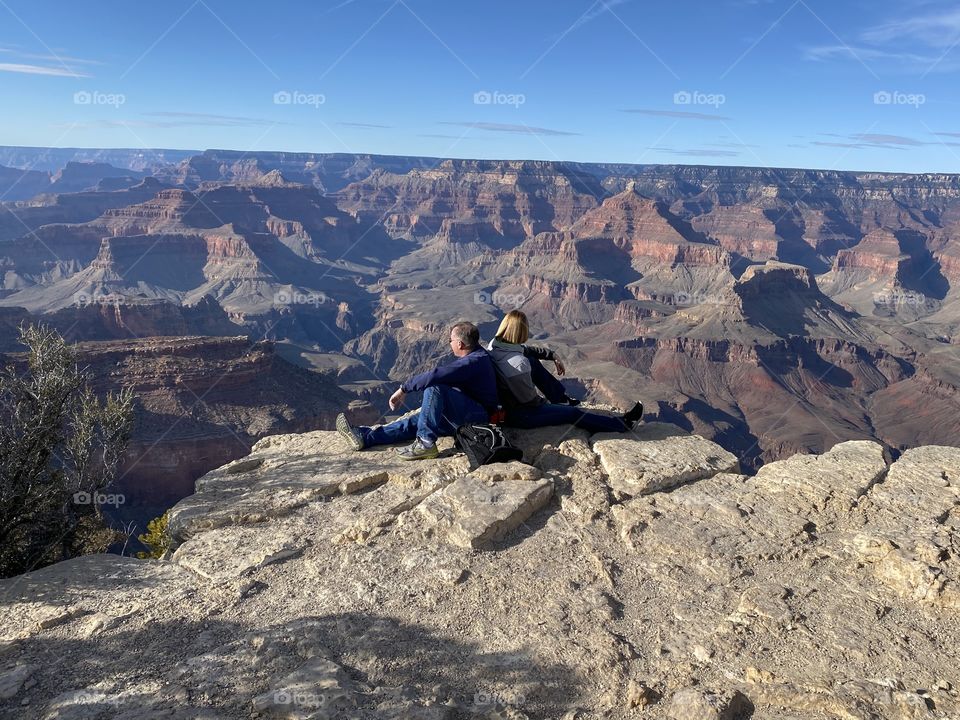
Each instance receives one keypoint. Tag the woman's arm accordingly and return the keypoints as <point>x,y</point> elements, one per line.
<point>543,353</point>
<point>538,352</point>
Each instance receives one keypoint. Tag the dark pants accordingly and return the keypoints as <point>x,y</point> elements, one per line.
<point>550,414</point>
<point>443,410</point>
<point>546,383</point>
<point>553,414</point>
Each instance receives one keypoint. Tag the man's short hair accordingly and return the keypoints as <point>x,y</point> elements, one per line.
<point>467,333</point>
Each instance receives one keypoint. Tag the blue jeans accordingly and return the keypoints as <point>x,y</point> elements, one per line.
<point>546,383</point>
<point>548,414</point>
<point>443,410</point>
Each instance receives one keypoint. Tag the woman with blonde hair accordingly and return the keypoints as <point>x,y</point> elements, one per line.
<point>520,375</point>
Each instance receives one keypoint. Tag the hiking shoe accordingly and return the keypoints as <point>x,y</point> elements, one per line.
<point>418,451</point>
<point>633,415</point>
<point>349,433</point>
<point>571,401</point>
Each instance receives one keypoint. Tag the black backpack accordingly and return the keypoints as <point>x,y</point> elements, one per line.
<point>484,444</point>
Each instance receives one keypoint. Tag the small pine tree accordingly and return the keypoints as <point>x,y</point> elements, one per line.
<point>155,538</point>
<point>60,447</point>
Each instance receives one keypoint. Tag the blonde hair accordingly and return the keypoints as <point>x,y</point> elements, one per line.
<point>513,328</point>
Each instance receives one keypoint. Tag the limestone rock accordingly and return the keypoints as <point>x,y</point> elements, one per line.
<point>708,705</point>
<point>317,689</point>
<point>473,512</point>
<point>12,680</point>
<point>533,441</point>
<point>914,518</point>
<point>250,548</point>
<point>656,457</point>
<point>822,587</point>
<point>834,480</point>
<point>639,695</point>
<point>497,472</point>
<point>286,472</point>
<point>69,594</point>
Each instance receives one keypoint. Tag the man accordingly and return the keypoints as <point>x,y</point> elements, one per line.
<point>463,391</point>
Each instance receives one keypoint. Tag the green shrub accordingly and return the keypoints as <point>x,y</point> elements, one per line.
<point>60,448</point>
<point>155,538</point>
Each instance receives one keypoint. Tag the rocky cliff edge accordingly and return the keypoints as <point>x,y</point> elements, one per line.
<point>605,577</point>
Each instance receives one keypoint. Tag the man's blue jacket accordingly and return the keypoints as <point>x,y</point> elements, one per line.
<point>473,374</point>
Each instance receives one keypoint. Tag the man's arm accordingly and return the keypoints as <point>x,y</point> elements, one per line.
<point>460,372</point>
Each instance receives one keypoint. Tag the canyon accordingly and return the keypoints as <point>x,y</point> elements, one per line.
<point>774,311</point>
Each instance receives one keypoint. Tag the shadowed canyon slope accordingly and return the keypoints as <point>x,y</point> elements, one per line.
<point>774,310</point>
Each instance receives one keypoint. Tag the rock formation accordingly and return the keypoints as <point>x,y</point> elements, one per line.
<point>604,577</point>
<point>78,176</point>
<point>16,184</point>
<point>48,159</point>
<point>328,172</point>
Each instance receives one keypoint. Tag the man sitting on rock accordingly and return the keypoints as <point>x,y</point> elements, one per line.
<point>463,391</point>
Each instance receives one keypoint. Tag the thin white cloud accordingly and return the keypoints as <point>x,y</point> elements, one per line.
<point>731,145</point>
<point>920,43</point>
<point>937,29</point>
<point>830,52</point>
<point>878,139</point>
<point>455,137</point>
<point>176,120</point>
<point>682,114</point>
<point>26,69</point>
<point>51,58</point>
<point>839,144</point>
<point>696,152</point>
<point>510,128</point>
<point>364,126</point>
<point>861,141</point>
<point>188,119</point>
<point>62,65</point>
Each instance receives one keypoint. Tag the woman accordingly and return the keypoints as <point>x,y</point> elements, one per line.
<point>520,374</point>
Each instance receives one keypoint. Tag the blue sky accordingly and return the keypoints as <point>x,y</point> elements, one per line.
<point>805,83</point>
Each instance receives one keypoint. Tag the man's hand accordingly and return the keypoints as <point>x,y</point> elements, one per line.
<point>396,400</point>
<point>561,368</point>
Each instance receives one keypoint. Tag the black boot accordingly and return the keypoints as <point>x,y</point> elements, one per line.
<point>633,415</point>
<point>570,401</point>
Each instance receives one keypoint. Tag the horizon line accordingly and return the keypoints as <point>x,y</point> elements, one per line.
<point>252,153</point>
